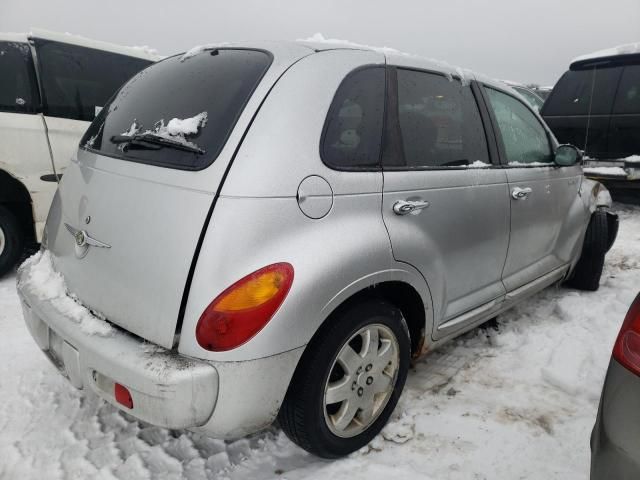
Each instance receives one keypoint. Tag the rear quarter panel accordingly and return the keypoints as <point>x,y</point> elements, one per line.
<point>257,220</point>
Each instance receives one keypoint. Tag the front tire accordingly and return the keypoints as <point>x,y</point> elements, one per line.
<point>348,381</point>
<point>11,240</point>
<point>588,270</point>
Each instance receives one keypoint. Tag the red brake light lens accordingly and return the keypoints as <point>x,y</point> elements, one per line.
<point>123,396</point>
<point>243,309</point>
<point>627,348</point>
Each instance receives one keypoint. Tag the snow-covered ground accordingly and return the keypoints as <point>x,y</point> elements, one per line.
<point>514,403</point>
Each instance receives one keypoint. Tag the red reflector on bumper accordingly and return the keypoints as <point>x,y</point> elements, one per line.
<point>123,397</point>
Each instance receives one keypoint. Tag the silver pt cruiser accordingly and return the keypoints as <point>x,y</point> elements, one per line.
<point>273,231</point>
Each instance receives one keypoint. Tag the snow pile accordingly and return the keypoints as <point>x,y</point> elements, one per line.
<point>633,159</point>
<point>514,401</point>
<point>607,171</point>
<point>48,285</point>
<point>187,126</point>
<point>530,164</point>
<point>176,130</point>
<point>478,164</point>
<point>626,49</point>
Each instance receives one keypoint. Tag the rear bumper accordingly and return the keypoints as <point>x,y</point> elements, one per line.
<point>167,389</point>
<point>615,441</point>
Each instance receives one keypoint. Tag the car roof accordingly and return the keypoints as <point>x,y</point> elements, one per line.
<point>628,52</point>
<point>395,57</point>
<point>139,52</point>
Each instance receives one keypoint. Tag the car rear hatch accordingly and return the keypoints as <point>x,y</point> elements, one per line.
<point>126,222</point>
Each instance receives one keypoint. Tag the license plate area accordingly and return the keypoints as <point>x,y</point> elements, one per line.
<point>55,352</point>
<point>63,355</point>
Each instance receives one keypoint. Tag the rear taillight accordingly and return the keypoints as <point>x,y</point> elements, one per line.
<point>244,308</point>
<point>122,394</point>
<point>627,348</point>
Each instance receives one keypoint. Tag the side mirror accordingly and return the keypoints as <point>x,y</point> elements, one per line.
<point>567,156</point>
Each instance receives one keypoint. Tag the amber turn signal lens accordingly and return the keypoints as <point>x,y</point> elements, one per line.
<point>243,309</point>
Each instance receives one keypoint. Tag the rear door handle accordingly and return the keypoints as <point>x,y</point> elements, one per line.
<point>414,207</point>
<point>520,193</point>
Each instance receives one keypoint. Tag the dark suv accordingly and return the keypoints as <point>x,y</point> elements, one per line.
<point>596,106</point>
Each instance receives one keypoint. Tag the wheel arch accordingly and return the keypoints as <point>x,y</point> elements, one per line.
<point>15,196</point>
<point>401,293</point>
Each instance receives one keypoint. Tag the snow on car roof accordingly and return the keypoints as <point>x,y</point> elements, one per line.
<point>145,52</point>
<point>320,43</point>
<point>627,49</point>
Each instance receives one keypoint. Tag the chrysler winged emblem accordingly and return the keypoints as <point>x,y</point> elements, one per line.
<point>83,241</point>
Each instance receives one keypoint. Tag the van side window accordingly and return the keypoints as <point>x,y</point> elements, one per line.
<point>628,97</point>
<point>18,87</point>
<point>353,128</point>
<point>439,121</point>
<point>76,79</point>
<point>524,138</point>
<point>573,93</point>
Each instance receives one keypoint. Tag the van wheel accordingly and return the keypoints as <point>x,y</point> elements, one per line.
<point>586,275</point>
<point>348,381</point>
<point>11,240</point>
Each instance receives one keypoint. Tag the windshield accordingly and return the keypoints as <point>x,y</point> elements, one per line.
<point>179,112</point>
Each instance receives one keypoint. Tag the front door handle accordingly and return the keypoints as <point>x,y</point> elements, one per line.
<point>414,207</point>
<point>520,193</point>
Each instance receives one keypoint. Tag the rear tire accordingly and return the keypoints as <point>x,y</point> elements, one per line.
<point>314,414</point>
<point>11,240</point>
<point>588,270</point>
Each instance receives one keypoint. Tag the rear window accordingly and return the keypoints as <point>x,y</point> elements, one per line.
<point>578,89</point>
<point>18,88</point>
<point>78,81</point>
<point>193,101</point>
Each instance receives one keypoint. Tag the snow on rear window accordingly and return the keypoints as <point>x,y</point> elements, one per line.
<point>176,130</point>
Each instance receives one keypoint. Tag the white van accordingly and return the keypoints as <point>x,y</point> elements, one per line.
<point>51,86</point>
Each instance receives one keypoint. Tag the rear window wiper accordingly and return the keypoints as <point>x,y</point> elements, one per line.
<point>153,142</point>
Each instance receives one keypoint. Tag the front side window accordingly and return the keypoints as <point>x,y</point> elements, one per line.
<point>18,87</point>
<point>628,96</point>
<point>440,124</point>
<point>353,128</point>
<point>524,138</point>
<point>78,81</point>
<point>178,112</point>
<point>579,92</point>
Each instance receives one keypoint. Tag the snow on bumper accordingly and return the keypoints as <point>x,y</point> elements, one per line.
<point>167,389</point>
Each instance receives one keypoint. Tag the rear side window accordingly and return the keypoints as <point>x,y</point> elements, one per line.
<point>524,139</point>
<point>439,121</point>
<point>573,93</point>
<point>353,128</point>
<point>628,97</point>
<point>76,80</point>
<point>185,107</point>
<point>18,87</point>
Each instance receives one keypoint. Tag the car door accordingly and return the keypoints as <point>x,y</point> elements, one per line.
<point>76,83</point>
<point>24,153</point>
<point>541,194</point>
<point>445,205</point>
